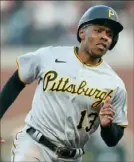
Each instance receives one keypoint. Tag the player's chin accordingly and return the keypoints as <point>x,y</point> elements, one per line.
<point>99,52</point>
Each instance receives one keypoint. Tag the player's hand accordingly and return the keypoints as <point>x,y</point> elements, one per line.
<point>106,113</point>
<point>2,141</point>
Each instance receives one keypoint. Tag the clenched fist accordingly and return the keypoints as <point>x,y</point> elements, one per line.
<point>2,141</point>
<point>106,113</point>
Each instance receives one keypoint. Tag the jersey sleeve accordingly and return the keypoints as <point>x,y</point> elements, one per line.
<point>120,105</point>
<point>28,67</point>
<point>30,64</point>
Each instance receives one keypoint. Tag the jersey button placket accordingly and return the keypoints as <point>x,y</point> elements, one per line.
<point>81,73</point>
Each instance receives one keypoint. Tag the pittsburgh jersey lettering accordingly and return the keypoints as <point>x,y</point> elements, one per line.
<point>52,83</point>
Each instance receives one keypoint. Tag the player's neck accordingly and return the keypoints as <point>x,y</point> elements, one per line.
<point>86,58</point>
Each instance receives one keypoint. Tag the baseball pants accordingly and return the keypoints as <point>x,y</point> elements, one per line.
<point>28,150</point>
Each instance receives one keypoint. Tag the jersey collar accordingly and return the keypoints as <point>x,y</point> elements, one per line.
<point>75,49</point>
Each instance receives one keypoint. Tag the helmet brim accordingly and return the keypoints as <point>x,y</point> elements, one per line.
<point>114,25</point>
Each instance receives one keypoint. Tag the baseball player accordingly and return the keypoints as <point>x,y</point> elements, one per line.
<point>77,92</point>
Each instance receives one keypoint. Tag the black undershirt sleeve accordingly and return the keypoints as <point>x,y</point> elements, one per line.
<point>10,92</point>
<point>111,134</point>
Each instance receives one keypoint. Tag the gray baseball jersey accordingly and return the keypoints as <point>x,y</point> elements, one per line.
<point>69,94</point>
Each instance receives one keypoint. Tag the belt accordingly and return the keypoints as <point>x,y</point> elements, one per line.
<point>60,151</point>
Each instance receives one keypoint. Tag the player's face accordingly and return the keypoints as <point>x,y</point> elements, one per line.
<point>97,41</point>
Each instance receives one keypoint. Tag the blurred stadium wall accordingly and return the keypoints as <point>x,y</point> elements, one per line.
<point>26,26</point>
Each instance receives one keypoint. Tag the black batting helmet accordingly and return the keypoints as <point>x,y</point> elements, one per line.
<point>102,14</point>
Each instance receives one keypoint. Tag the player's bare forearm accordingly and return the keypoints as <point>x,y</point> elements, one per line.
<point>111,133</point>
<point>9,92</point>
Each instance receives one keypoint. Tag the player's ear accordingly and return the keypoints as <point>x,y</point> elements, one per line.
<point>82,34</point>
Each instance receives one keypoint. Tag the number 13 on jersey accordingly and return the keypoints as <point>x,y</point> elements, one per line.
<point>91,118</point>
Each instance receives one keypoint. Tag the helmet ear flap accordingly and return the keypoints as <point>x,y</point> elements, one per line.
<point>81,34</point>
<point>115,40</point>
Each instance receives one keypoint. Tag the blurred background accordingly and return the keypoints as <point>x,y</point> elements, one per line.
<point>29,25</point>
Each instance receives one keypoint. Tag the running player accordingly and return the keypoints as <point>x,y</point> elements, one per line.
<point>77,91</point>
